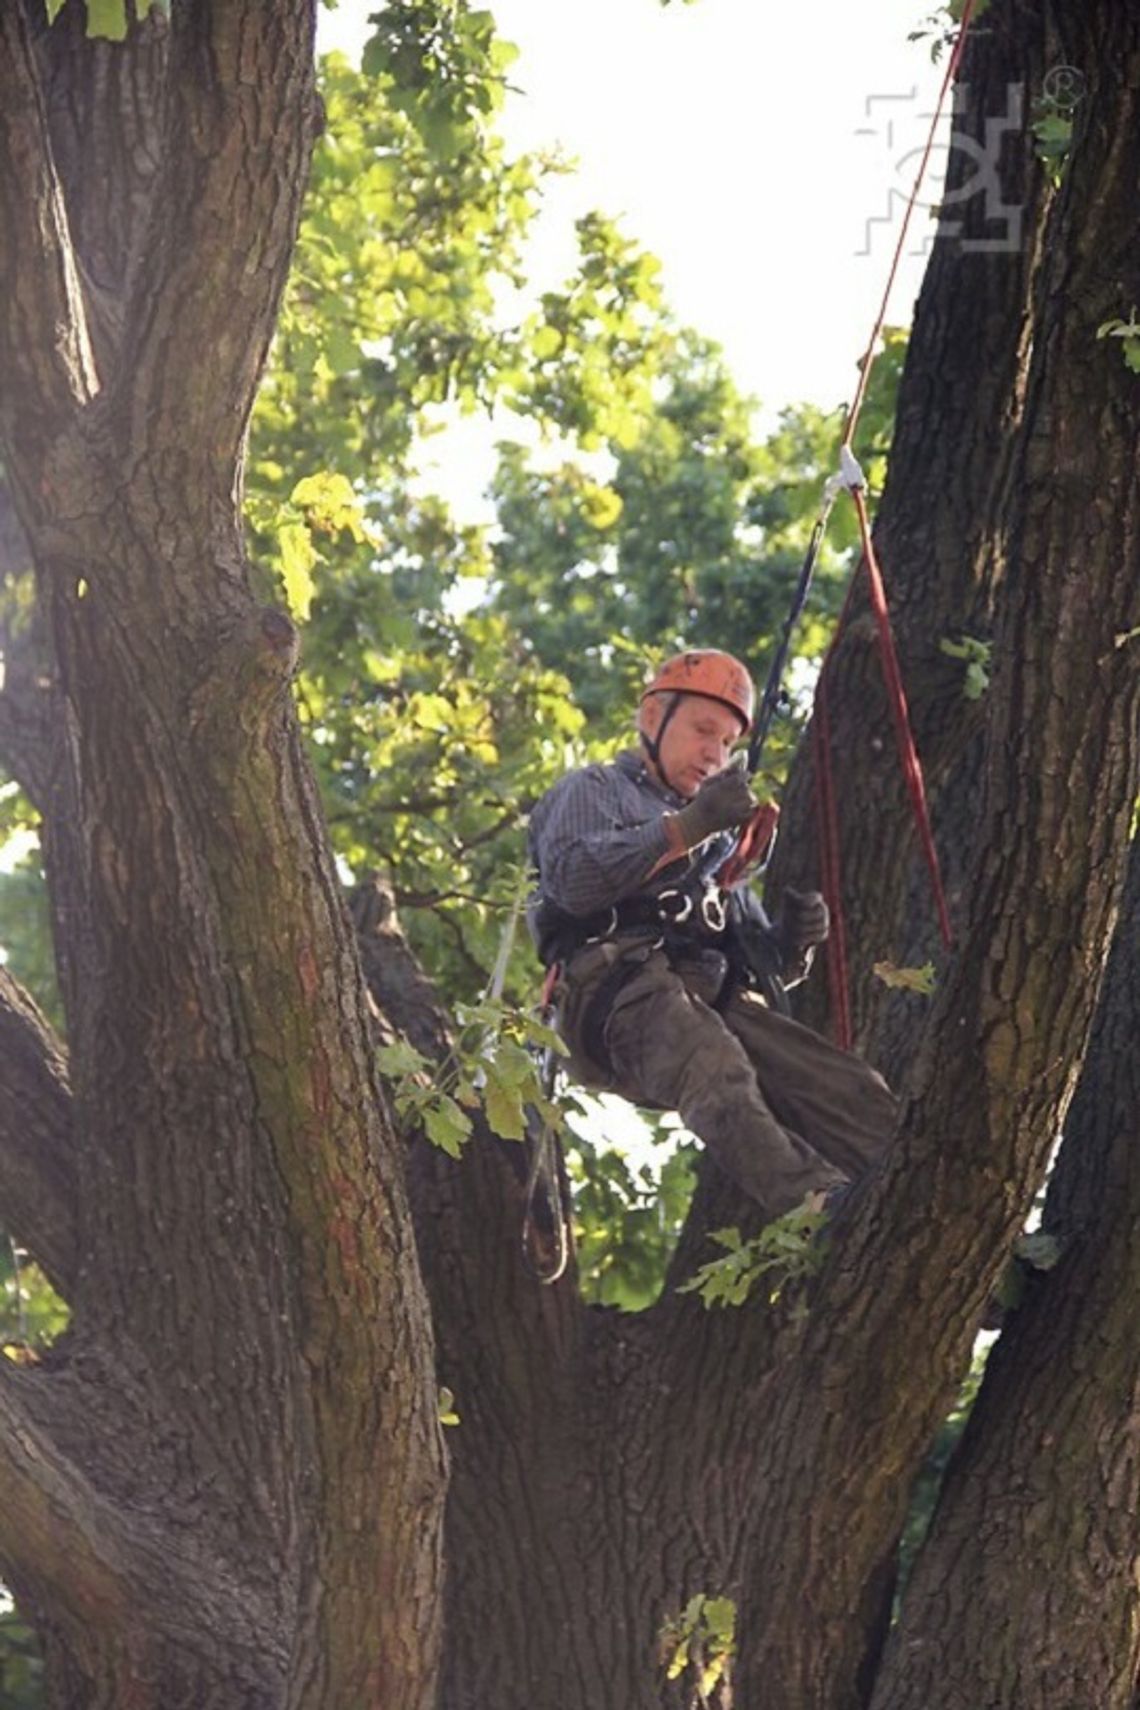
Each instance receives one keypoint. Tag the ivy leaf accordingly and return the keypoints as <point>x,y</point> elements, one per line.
<point>107,19</point>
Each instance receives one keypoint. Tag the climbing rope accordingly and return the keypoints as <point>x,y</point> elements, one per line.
<point>546,1202</point>
<point>849,478</point>
<point>546,1190</point>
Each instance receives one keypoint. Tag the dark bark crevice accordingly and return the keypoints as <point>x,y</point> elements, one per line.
<point>46,367</point>
<point>105,111</point>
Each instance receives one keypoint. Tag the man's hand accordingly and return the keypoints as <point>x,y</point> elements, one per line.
<point>722,802</point>
<point>803,921</point>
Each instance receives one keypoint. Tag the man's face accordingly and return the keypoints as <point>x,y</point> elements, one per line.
<point>698,740</point>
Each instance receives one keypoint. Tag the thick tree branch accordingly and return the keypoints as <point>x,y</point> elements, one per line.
<point>55,1534</point>
<point>46,367</point>
<point>105,104</point>
<point>242,114</point>
<point>89,1566</point>
<point>37,1171</point>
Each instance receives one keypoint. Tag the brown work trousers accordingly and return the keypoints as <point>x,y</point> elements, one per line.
<point>782,1111</point>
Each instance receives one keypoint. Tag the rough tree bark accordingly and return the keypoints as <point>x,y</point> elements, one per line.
<point>1064,539</point>
<point>224,1488</point>
<point>1026,1593</point>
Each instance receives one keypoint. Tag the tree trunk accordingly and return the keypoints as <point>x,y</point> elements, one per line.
<point>991,1080</point>
<point>599,1480</point>
<point>225,1487</point>
<point>1025,1594</point>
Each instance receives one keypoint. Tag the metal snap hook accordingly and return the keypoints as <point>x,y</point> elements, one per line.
<point>713,911</point>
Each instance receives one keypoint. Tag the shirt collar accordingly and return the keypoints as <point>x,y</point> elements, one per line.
<point>632,764</point>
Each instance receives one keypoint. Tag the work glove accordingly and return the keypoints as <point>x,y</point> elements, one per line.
<point>723,801</point>
<point>803,921</point>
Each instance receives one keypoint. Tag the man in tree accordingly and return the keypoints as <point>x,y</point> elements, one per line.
<point>655,998</point>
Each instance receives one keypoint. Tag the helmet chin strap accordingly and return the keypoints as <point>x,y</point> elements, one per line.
<point>652,744</point>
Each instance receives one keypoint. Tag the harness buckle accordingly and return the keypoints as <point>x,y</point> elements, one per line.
<point>681,914</point>
<point>607,931</point>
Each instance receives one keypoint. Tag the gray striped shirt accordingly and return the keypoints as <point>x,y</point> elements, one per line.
<point>597,835</point>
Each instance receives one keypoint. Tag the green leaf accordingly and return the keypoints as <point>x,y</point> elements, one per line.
<point>785,1249</point>
<point>400,1058</point>
<point>601,506</point>
<point>447,1126</point>
<point>976,655</point>
<point>513,1066</point>
<point>504,1107</point>
<point>919,980</point>
<point>547,341</point>
<point>446,1404</point>
<point>107,19</point>
<point>298,558</point>
<point>330,503</point>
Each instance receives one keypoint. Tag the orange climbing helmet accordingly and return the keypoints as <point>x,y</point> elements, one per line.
<point>709,672</point>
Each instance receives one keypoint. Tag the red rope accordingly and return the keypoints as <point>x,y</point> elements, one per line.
<point>830,863</point>
<point>904,736</point>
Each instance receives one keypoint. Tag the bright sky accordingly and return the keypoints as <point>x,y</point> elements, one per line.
<point>762,150</point>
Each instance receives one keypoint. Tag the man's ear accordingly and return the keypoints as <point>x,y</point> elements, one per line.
<point>649,716</point>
